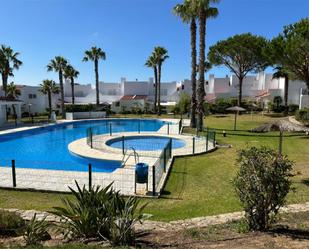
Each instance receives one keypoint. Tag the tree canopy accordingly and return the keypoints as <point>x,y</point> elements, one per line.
<point>241,54</point>
<point>290,50</point>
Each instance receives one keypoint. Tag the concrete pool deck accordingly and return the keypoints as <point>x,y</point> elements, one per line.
<point>123,178</point>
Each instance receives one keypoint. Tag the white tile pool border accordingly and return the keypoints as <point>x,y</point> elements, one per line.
<point>123,178</point>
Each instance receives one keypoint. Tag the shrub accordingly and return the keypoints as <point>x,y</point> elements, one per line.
<point>100,213</point>
<point>262,183</point>
<point>220,106</point>
<point>11,223</point>
<point>293,109</point>
<point>36,231</point>
<point>302,115</point>
<point>79,108</point>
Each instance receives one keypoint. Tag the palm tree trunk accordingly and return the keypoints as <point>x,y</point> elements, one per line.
<point>4,83</point>
<point>62,93</point>
<point>72,90</point>
<point>286,95</point>
<point>96,69</point>
<point>193,72</point>
<point>159,89</point>
<point>240,91</point>
<point>200,90</point>
<point>156,88</point>
<point>49,103</point>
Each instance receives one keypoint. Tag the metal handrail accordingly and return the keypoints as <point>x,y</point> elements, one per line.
<point>134,153</point>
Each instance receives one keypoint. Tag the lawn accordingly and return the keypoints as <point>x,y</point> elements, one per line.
<point>201,185</point>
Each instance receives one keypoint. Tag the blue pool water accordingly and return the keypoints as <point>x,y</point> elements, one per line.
<point>47,148</point>
<point>145,143</point>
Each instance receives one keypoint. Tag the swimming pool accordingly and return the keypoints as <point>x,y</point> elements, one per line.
<point>47,147</point>
<point>145,143</point>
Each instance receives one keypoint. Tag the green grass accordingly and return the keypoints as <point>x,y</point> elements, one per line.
<point>200,185</point>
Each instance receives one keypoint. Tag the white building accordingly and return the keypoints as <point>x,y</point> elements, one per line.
<point>260,87</point>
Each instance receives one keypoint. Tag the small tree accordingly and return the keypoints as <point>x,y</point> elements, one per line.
<point>262,184</point>
<point>184,103</point>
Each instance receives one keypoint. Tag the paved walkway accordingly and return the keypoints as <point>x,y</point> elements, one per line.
<point>173,225</point>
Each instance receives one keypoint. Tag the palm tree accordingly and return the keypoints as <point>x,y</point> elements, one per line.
<point>8,62</point>
<point>152,63</point>
<point>204,12</point>
<point>58,64</point>
<point>49,87</point>
<point>188,13</point>
<point>95,54</point>
<point>70,73</point>
<point>282,73</point>
<point>160,54</point>
<point>12,92</point>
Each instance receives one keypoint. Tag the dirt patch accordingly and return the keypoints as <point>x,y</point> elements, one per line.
<point>292,232</point>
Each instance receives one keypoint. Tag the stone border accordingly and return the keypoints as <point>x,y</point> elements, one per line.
<point>148,225</point>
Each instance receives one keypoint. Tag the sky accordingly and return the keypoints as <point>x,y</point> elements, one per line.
<point>127,30</point>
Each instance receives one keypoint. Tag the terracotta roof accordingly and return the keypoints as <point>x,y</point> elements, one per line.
<point>263,94</point>
<point>133,97</point>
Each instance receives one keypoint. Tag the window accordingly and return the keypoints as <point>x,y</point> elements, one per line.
<point>182,87</point>
<point>32,96</point>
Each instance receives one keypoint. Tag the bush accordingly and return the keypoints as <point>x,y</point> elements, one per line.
<point>293,109</point>
<point>100,213</point>
<point>262,184</point>
<point>80,108</point>
<point>11,223</point>
<point>302,115</point>
<point>220,106</point>
<point>36,231</point>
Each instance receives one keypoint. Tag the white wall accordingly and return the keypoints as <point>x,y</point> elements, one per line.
<point>39,101</point>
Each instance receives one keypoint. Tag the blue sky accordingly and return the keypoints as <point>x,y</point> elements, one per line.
<point>127,30</point>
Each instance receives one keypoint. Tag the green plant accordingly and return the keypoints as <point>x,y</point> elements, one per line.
<point>79,108</point>
<point>100,213</point>
<point>293,109</point>
<point>125,213</point>
<point>36,231</point>
<point>302,115</point>
<point>262,184</point>
<point>83,216</point>
<point>241,226</point>
<point>10,223</point>
<point>183,104</point>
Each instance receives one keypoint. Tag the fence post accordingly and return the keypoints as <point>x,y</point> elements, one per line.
<point>280,142</point>
<point>214,142</point>
<point>207,141</point>
<point>14,173</point>
<point>135,182</point>
<point>168,128</point>
<point>164,159</point>
<point>171,147</point>
<point>122,145</point>
<point>153,181</point>
<point>91,138</point>
<point>193,145</point>
<point>139,126</point>
<point>110,129</point>
<point>90,175</point>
